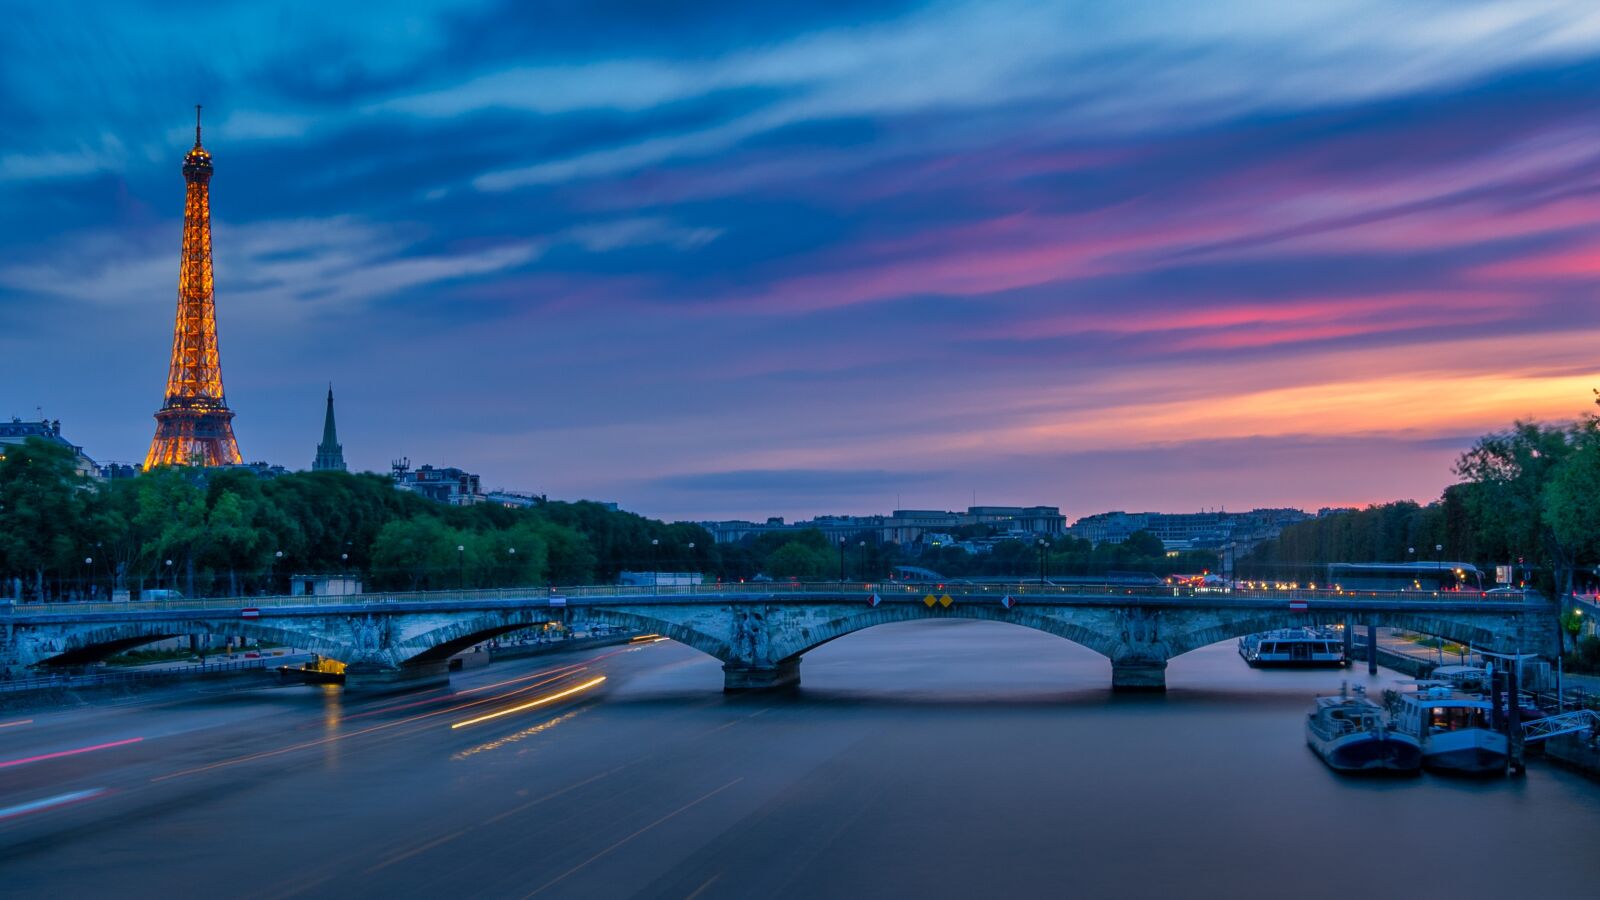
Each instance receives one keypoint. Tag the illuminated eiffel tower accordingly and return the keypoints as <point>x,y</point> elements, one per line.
<point>194,426</point>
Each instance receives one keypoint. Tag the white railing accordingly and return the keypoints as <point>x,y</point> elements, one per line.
<point>1576,722</point>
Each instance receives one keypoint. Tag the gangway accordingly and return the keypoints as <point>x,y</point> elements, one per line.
<point>1575,722</point>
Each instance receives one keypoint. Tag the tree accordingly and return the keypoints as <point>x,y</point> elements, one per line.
<point>1509,472</point>
<point>1143,543</point>
<point>232,541</point>
<point>42,505</point>
<point>1571,499</point>
<point>414,553</point>
<point>798,559</point>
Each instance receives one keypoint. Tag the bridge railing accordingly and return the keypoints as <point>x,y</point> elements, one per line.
<point>888,590</point>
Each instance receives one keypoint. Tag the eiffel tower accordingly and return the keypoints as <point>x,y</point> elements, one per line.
<point>194,426</point>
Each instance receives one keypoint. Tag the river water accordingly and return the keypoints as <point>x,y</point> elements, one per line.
<point>930,759</point>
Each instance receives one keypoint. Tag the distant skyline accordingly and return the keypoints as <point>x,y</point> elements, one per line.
<point>721,260</point>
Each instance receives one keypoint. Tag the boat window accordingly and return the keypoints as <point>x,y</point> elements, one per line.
<point>1455,718</point>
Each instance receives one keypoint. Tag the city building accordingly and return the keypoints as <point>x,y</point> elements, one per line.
<point>194,426</point>
<point>515,499</point>
<point>448,485</point>
<point>1206,530</point>
<point>324,585</point>
<point>330,454</point>
<point>16,431</point>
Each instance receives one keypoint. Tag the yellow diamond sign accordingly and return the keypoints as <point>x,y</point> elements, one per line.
<point>930,600</point>
<point>945,601</point>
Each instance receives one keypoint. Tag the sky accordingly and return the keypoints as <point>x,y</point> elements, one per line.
<point>727,259</point>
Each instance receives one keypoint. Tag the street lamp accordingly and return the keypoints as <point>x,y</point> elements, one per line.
<point>1043,544</point>
<point>277,557</point>
<point>1438,566</point>
<point>88,562</point>
<point>461,554</point>
<point>655,565</point>
<point>861,564</point>
<point>169,575</point>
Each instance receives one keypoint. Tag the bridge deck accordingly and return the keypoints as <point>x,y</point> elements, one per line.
<point>1023,593</point>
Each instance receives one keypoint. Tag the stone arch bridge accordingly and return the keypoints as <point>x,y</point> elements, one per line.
<point>759,635</point>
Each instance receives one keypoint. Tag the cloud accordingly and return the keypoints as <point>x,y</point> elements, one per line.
<point>620,233</point>
<point>277,271</point>
<point>789,481</point>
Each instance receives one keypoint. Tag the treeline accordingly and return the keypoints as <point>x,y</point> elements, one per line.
<point>810,555</point>
<point>229,532</point>
<point>1529,497</point>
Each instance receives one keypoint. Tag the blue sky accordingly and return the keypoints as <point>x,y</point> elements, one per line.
<point>719,259</point>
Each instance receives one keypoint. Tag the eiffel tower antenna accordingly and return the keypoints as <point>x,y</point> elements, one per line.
<point>194,425</point>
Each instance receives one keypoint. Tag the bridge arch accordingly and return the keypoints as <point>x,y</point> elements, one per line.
<point>1473,633</point>
<point>850,622</point>
<point>92,646</point>
<point>444,642</point>
<point>685,634</point>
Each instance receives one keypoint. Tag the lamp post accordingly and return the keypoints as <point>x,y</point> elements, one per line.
<point>1043,546</point>
<point>691,559</point>
<point>461,555</point>
<point>1438,566</point>
<point>88,564</point>
<point>511,552</point>
<point>655,565</point>
<point>861,562</point>
<point>169,574</point>
<point>277,557</point>
<point>1411,556</point>
<point>841,562</point>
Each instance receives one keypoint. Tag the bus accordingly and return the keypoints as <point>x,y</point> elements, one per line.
<point>1428,577</point>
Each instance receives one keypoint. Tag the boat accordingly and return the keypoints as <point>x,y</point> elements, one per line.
<point>1471,679</point>
<point>1453,729</point>
<point>1294,647</point>
<point>1351,734</point>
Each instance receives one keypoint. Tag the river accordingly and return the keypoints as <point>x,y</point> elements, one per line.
<point>929,759</point>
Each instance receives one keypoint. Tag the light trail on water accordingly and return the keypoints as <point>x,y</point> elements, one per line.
<point>74,752</point>
<point>540,702</point>
<point>22,809</point>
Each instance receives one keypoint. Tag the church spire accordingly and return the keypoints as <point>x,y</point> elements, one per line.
<point>330,455</point>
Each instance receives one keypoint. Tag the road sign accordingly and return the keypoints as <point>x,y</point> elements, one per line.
<point>945,601</point>
<point>1297,604</point>
<point>1008,601</point>
<point>874,600</point>
<point>250,612</point>
<point>929,601</point>
<point>558,601</point>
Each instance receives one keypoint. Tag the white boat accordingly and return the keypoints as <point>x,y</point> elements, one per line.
<point>1454,731</point>
<point>1472,679</point>
<point>1350,733</point>
<point>1293,647</point>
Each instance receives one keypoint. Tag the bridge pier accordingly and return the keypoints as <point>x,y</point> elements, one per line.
<point>1146,675</point>
<point>738,678</point>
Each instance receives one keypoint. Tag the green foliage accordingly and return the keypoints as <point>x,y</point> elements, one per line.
<point>1143,543</point>
<point>1572,621</point>
<point>1571,500</point>
<point>223,532</point>
<point>43,506</point>
<point>800,559</point>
